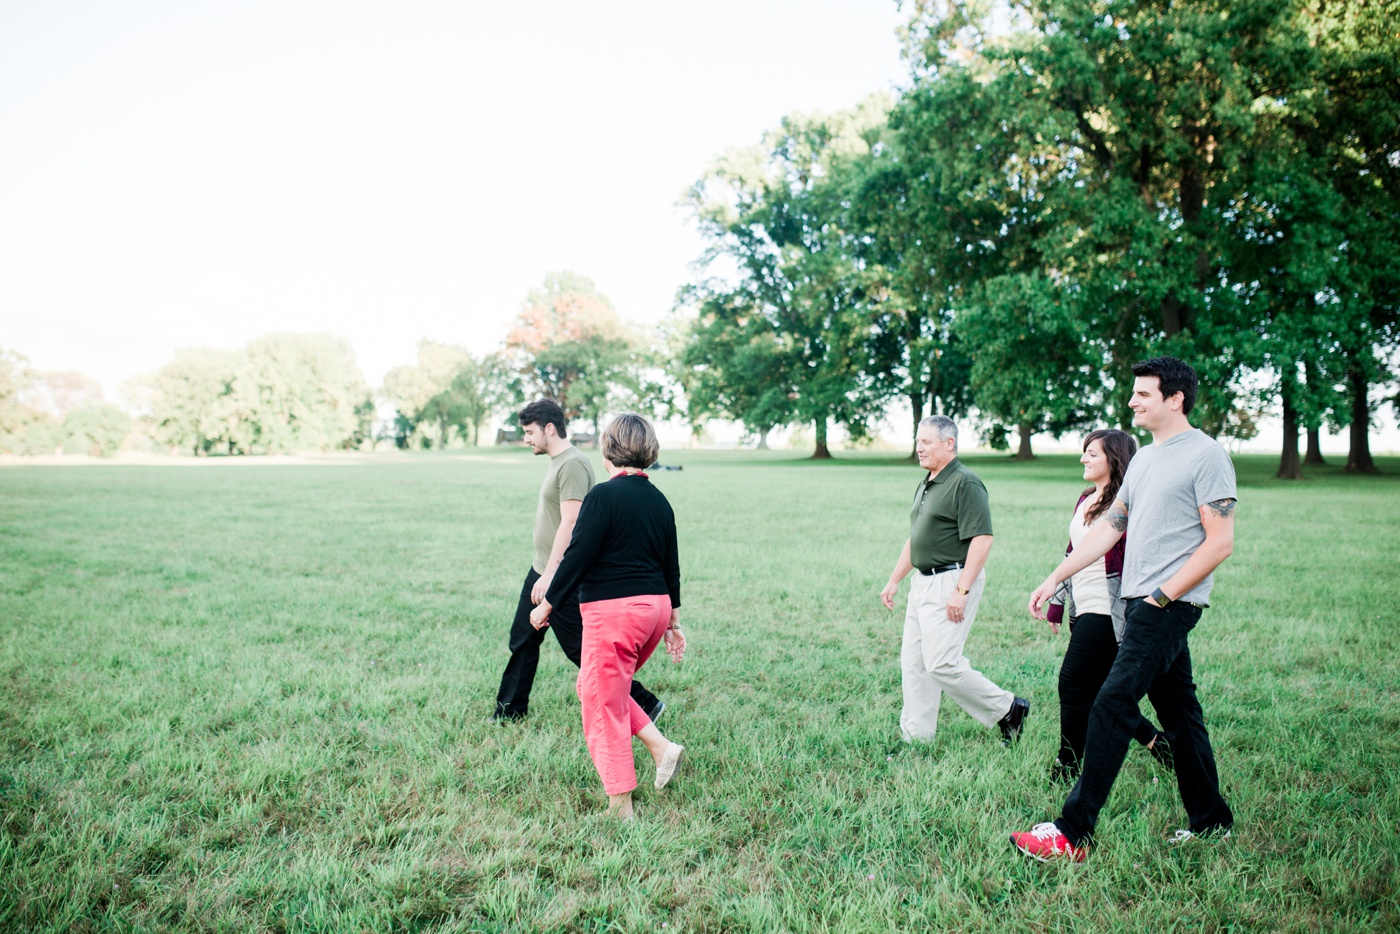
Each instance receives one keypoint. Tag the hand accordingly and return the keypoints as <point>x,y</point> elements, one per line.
<point>541,588</point>
<point>675,644</point>
<point>1042,595</point>
<point>1054,628</point>
<point>957,607</point>
<point>539,616</point>
<point>889,593</point>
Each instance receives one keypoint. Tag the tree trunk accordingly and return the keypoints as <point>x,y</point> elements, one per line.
<point>1289,467</point>
<point>822,452</point>
<point>1359,457</point>
<point>763,438</point>
<point>916,403</point>
<point>1023,453</point>
<point>1314,456</point>
<point>442,433</point>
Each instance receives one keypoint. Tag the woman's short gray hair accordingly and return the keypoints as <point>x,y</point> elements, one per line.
<point>945,426</point>
<point>629,441</point>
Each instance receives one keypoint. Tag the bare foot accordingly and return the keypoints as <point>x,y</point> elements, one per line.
<point>620,806</point>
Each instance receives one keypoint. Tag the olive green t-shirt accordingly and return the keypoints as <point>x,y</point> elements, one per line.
<point>570,477</point>
<point>949,511</point>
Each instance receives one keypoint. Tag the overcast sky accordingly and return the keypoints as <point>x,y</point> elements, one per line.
<point>196,173</point>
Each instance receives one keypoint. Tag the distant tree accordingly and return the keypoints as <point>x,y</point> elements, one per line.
<point>447,391</point>
<point>188,401</point>
<point>283,393</point>
<point>365,413</point>
<point>61,392</point>
<point>570,345</point>
<point>295,392</point>
<point>25,428</point>
<point>15,379</point>
<point>97,429</point>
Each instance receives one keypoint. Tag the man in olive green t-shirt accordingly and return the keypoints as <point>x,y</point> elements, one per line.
<point>950,535</point>
<point>567,482</point>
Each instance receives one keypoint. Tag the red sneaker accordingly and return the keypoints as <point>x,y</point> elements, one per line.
<point>1045,842</point>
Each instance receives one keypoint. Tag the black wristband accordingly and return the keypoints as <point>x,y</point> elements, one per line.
<point>1160,598</point>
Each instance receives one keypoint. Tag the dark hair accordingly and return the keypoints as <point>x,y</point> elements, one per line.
<point>545,412</point>
<point>629,441</point>
<point>1119,447</point>
<point>1175,376</point>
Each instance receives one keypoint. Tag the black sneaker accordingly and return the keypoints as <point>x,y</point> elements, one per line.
<point>507,716</point>
<point>1011,723</point>
<point>655,712</point>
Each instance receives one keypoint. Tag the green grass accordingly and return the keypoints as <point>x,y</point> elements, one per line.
<point>247,698</point>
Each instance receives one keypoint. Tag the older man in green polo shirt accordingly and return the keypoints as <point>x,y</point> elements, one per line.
<point>950,535</point>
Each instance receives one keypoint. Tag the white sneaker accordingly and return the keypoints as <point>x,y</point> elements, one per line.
<point>1186,836</point>
<point>670,761</point>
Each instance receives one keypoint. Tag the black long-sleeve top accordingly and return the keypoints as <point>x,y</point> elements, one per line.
<point>624,545</point>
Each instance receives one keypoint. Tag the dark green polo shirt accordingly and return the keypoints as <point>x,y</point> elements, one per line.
<point>949,511</point>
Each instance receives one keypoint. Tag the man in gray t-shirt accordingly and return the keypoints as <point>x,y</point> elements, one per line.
<point>1165,488</point>
<point>1180,492</point>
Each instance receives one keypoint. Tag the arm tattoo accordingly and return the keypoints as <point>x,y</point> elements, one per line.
<point>1118,517</point>
<point>1224,508</point>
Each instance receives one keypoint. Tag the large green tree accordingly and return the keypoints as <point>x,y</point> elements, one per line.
<point>731,365</point>
<point>1160,154</point>
<point>909,235</point>
<point>780,271</point>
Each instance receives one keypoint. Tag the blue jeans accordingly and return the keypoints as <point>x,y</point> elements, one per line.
<point>1153,661</point>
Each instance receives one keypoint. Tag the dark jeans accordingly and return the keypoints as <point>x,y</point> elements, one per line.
<point>513,699</point>
<point>1153,661</point>
<point>1088,660</point>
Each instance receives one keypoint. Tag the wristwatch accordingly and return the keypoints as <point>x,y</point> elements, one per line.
<point>1160,598</point>
<point>961,590</point>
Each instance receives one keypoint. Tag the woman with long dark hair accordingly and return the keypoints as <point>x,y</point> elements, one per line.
<point>622,561</point>
<point>1092,601</point>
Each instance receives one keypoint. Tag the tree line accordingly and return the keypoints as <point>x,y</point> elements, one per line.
<point>1045,205</point>
<point>286,393</point>
<point>1042,206</point>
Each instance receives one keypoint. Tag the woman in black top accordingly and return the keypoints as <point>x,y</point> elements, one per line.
<point>622,559</point>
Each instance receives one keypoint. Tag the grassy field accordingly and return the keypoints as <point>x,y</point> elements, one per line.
<point>240,697</point>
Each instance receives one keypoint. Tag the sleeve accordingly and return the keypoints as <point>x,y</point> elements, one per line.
<point>1216,477</point>
<point>1126,487</point>
<point>974,510</point>
<point>672,567</point>
<point>583,549</point>
<point>573,480</point>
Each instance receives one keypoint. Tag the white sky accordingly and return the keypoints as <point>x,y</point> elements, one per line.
<point>194,172</point>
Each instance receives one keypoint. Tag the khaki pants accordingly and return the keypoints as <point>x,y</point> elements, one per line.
<point>932,659</point>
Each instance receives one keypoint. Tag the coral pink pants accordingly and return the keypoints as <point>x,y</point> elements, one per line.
<point>618,637</point>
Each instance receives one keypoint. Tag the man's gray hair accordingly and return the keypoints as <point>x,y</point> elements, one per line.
<point>945,426</point>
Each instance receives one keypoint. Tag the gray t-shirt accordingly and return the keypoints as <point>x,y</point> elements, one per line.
<point>1164,490</point>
